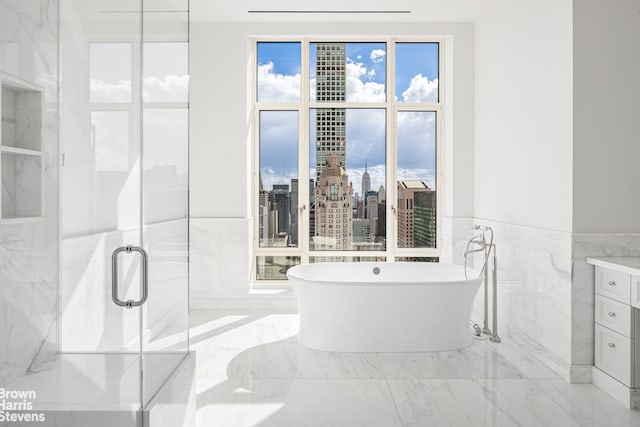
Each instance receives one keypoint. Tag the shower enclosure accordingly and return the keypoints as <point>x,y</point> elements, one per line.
<point>106,234</point>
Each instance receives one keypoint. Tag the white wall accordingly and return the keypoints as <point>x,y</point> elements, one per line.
<point>606,194</point>
<point>523,157</point>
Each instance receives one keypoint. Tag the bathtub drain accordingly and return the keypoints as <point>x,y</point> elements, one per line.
<point>376,270</point>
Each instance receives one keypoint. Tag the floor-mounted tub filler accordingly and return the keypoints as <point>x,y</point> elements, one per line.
<point>384,307</point>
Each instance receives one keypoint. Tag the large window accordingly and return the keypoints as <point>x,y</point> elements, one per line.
<point>347,147</point>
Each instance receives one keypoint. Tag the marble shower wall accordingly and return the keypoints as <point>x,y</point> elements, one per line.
<point>29,249</point>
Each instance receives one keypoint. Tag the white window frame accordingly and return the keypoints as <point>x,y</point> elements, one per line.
<point>136,106</point>
<point>303,107</point>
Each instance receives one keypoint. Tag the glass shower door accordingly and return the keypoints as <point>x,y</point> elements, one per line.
<point>124,197</point>
<point>165,167</point>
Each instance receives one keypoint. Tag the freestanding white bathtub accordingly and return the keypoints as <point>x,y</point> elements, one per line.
<point>384,307</point>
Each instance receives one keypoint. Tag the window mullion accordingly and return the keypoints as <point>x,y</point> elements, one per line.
<point>391,152</point>
<point>303,153</point>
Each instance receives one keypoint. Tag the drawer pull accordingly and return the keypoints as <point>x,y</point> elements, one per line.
<point>612,314</point>
<point>612,283</point>
<point>612,345</point>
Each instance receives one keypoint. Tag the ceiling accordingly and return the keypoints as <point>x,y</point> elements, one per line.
<point>337,10</point>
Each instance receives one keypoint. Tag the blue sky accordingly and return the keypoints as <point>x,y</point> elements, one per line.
<point>416,81</point>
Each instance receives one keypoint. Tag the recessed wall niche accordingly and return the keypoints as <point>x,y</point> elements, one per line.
<point>21,165</point>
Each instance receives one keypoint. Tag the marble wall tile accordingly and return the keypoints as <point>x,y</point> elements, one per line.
<point>220,262</point>
<point>28,298</point>
<point>29,250</point>
<point>534,285</point>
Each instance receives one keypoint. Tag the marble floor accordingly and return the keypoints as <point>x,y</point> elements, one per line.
<point>251,371</point>
<point>96,381</point>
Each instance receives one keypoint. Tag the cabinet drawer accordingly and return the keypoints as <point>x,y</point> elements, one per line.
<point>613,354</point>
<point>635,291</point>
<point>614,315</point>
<point>613,284</point>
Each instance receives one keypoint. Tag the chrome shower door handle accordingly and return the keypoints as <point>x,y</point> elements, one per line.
<point>114,277</point>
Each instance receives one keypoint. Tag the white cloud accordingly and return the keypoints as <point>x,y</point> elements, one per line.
<point>360,87</point>
<point>426,175</point>
<point>166,89</point>
<point>377,55</point>
<point>421,89</point>
<point>271,176</point>
<point>279,129</point>
<point>102,91</point>
<point>274,87</point>
<point>416,140</point>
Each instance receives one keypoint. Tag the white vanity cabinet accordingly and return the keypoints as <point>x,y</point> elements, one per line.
<point>617,327</point>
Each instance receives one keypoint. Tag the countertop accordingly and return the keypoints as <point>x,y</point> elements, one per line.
<point>623,264</point>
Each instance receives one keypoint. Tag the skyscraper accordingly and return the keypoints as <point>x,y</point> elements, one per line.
<point>331,83</point>
<point>280,201</point>
<point>264,208</point>
<point>332,196</point>
<point>293,213</point>
<point>382,194</point>
<point>372,213</point>
<point>416,208</point>
<point>333,192</point>
<point>366,181</point>
<point>424,218</point>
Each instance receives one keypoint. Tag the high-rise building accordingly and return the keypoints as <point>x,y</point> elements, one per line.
<point>361,231</point>
<point>424,218</point>
<point>331,83</point>
<point>372,213</point>
<point>381,229</point>
<point>407,191</point>
<point>366,180</point>
<point>332,194</point>
<point>264,208</point>
<point>359,209</point>
<point>293,213</point>
<point>312,208</point>
<point>333,215</point>
<point>280,201</point>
